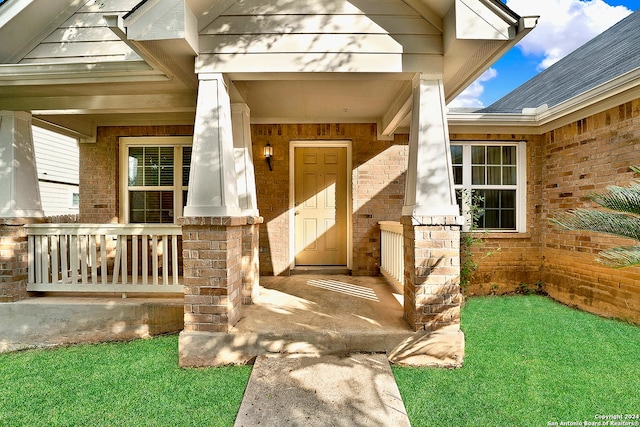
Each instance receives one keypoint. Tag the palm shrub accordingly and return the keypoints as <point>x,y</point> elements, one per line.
<point>621,217</point>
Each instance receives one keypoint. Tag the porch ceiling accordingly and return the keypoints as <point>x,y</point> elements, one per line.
<point>286,99</point>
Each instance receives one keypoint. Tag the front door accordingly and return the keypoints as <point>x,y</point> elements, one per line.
<point>320,206</point>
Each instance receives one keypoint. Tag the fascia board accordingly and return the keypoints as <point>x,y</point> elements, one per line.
<point>612,88</point>
<point>622,89</point>
<point>95,72</point>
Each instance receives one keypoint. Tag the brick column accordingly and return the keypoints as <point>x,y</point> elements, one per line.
<point>432,294</point>
<point>212,251</point>
<point>14,258</point>
<point>215,284</point>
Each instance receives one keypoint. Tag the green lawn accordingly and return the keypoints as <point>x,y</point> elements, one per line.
<point>137,383</point>
<point>529,362</point>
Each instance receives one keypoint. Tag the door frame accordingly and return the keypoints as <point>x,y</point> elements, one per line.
<point>342,143</point>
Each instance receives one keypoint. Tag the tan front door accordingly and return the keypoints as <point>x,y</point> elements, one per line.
<point>320,206</point>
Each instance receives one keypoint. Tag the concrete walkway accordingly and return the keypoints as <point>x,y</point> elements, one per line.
<point>302,390</point>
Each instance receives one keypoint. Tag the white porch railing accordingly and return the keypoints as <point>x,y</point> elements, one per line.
<point>104,258</point>
<point>392,253</point>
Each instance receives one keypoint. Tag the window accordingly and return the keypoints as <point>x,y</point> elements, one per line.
<point>155,177</point>
<point>495,172</point>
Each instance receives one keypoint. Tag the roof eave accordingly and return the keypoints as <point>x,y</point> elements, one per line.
<point>76,73</point>
<point>521,28</point>
<point>539,120</point>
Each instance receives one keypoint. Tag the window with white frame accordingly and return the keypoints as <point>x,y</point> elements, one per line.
<point>494,173</point>
<point>154,173</point>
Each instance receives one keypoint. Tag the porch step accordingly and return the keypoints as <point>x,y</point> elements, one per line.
<point>328,270</point>
<point>442,348</point>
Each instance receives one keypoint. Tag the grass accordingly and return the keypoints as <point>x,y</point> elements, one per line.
<point>127,384</point>
<point>529,362</point>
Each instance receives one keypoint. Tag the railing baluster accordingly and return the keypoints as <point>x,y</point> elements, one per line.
<point>93,258</point>
<point>154,258</point>
<point>45,258</point>
<point>64,258</point>
<point>145,259</point>
<point>134,260</point>
<point>73,259</point>
<point>32,267</point>
<point>174,258</point>
<point>165,259</point>
<point>54,259</point>
<point>116,262</point>
<point>38,258</point>
<point>124,259</point>
<point>103,259</point>
<point>83,257</point>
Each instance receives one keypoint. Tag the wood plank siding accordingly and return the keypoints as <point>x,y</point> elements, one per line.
<point>84,37</point>
<point>57,160</point>
<point>306,35</point>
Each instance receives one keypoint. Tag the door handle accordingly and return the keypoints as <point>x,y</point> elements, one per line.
<point>297,213</point>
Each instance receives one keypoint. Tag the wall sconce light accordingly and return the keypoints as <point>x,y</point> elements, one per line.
<point>268,154</point>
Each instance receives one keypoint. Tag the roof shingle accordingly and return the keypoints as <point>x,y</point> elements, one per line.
<point>609,55</point>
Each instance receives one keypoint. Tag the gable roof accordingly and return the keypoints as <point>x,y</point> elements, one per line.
<point>609,55</point>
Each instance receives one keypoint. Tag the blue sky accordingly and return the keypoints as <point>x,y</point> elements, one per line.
<point>564,25</point>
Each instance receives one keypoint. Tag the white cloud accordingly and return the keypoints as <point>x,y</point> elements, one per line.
<point>470,97</point>
<point>564,25</point>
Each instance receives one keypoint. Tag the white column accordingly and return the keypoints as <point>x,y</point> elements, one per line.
<point>429,184</point>
<point>240,115</point>
<point>19,190</point>
<point>212,180</point>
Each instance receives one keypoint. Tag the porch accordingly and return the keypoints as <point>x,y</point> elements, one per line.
<point>317,314</point>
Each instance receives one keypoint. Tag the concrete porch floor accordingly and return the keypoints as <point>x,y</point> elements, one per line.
<point>323,304</point>
<point>323,315</point>
<point>300,314</point>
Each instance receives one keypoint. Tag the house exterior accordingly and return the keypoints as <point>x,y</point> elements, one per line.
<point>579,121</point>
<point>175,105</point>
<point>57,162</point>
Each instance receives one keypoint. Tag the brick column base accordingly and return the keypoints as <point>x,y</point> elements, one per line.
<point>432,294</point>
<point>215,280</point>
<point>14,258</point>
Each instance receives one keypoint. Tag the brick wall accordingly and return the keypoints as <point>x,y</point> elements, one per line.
<point>377,192</point>
<point>99,169</point>
<point>14,258</point>
<point>580,158</point>
<point>563,167</point>
<point>378,169</point>
<point>514,257</point>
